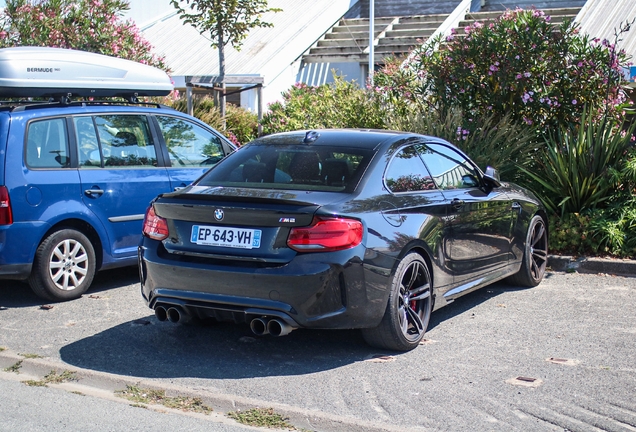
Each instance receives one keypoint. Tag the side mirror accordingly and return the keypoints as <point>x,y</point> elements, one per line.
<point>492,176</point>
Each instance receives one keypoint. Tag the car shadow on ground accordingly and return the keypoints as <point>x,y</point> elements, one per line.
<point>148,348</point>
<point>18,294</point>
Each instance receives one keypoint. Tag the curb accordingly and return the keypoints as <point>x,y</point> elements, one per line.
<point>105,383</point>
<point>615,266</point>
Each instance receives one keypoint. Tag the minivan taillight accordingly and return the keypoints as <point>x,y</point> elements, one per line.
<point>6,217</point>
<point>325,235</point>
<point>155,227</point>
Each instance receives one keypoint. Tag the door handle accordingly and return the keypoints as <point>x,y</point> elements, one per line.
<point>457,203</point>
<point>516,206</point>
<point>90,192</point>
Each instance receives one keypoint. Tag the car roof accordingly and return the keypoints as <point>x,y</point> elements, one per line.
<point>353,138</point>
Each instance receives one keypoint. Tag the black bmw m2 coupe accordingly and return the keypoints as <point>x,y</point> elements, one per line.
<point>335,229</point>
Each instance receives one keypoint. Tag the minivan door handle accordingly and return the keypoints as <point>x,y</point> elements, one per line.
<point>90,192</point>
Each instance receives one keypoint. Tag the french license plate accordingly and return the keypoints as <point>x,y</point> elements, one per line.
<point>226,237</point>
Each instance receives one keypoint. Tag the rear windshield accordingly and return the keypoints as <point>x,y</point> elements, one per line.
<point>290,167</point>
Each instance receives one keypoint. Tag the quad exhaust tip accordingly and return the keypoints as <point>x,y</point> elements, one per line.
<point>259,326</point>
<point>276,327</point>
<point>273,326</point>
<point>174,314</point>
<point>161,313</point>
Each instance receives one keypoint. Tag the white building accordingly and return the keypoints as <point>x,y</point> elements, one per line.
<point>270,56</point>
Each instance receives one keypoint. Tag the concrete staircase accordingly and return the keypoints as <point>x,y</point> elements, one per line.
<point>348,41</point>
<point>501,5</point>
<point>557,16</point>
<point>396,36</point>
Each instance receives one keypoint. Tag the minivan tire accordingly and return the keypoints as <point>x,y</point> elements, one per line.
<point>64,266</point>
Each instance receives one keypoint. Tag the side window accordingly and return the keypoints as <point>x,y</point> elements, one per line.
<point>124,141</point>
<point>87,142</point>
<point>47,144</point>
<point>449,169</point>
<point>407,173</point>
<point>189,145</point>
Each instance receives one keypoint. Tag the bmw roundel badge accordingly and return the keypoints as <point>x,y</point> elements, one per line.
<point>218,214</point>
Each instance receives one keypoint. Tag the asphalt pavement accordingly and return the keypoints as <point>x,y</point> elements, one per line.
<point>559,356</point>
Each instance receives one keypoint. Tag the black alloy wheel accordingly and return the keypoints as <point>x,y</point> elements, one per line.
<point>408,310</point>
<point>535,255</point>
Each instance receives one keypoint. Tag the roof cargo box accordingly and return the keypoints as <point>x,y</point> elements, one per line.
<point>57,72</point>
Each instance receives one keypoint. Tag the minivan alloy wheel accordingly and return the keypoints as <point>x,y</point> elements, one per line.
<point>68,264</point>
<point>64,266</point>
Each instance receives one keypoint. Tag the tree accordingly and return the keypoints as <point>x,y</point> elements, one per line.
<point>87,25</point>
<point>340,104</point>
<point>225,21</point>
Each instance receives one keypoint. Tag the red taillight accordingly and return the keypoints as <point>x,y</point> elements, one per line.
<point>325,234</point>
<point>155,227</point>
<point>6,217</point>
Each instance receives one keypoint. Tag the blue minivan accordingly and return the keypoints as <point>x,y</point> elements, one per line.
<point>77,177</point>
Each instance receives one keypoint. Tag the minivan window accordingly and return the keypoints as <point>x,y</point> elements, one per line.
<point>114,141</point>
<point>189,145</point>
<point>88,144</point>
<point>47,144</point>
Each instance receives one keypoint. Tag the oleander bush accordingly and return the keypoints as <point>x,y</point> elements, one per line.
<point>519,65</point>
<point>340,104</point>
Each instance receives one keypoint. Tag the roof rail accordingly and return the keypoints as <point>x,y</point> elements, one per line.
<point>17,106</point>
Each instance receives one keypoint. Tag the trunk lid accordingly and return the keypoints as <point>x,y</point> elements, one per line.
<point>237,223</point>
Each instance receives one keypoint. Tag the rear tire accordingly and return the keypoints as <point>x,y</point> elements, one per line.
<point>535,255</point>
<point>64,266</point>
<point>408,310</point>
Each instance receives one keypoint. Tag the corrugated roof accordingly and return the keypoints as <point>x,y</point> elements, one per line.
<point>602,18</point>
<point>266,51</point>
